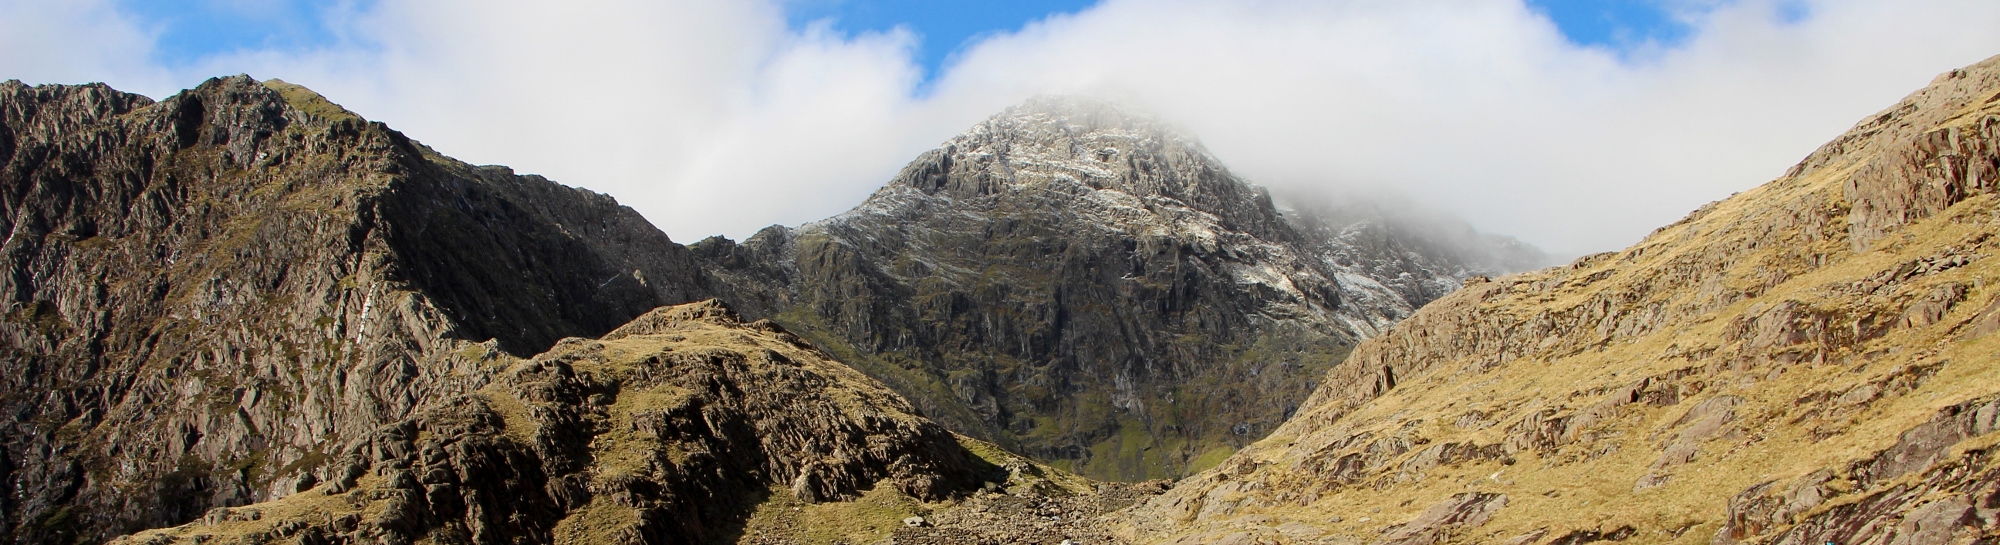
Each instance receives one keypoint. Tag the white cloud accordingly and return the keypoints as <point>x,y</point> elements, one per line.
<point>1482,109</point>
<point>711,117</point>
<point>74,42</point>
<point>708,116</point>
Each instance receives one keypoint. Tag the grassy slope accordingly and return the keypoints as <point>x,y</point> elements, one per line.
<point>621,450</point>
<point>1805,406</point>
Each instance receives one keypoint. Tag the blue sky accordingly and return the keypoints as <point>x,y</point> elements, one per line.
<point>943,26</point>
<point>191,29</point>
<point>1617,24</point>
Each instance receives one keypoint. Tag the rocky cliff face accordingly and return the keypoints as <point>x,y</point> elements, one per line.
<point>206,296</point>
<point>1811,361</point>
<point>674,428</point>
<point>1088,286</point>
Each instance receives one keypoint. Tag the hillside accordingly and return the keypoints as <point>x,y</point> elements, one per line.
<point>205,294</point>
<point>1088,286</point>
<point>1811,361</point>
<point>687,425</point>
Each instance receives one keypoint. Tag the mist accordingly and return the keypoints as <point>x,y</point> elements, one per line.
<point>715,117</point>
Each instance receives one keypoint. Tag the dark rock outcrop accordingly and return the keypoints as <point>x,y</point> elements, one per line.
<point>1089,287</point>
<point>1437,524</point>
<point>203,295</point>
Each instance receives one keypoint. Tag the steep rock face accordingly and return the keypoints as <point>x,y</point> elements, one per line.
<point>670,429</point>
<point>1082,284</point>
<point>1811,361</point>
<point>204,293</point>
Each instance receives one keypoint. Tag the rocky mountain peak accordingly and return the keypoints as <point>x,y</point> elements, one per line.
<point>1086,283</point>
<point>710,312</point>
<point>1093,141</point>
<point>1123,162</point>
<point>1050,131</point>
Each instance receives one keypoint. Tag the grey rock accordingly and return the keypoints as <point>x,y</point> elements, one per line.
<point>1438,522</point>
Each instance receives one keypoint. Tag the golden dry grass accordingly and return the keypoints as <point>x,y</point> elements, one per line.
<point>1761,244</point>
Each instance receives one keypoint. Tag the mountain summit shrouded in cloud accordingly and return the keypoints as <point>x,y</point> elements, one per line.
<point>1085,284</point>
<point>718,116</point>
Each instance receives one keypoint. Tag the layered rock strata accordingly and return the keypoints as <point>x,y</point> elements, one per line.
<point>1811,361</point>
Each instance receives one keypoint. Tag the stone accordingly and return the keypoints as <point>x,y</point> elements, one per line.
<point>1436,523</point>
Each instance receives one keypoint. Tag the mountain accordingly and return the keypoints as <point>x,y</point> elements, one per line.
<point>1088,286</point>
<point>1418,254</point>
<point>244,313</point>
<point>687,425</point>
<point>206,296</point>
<point>1811,361</point>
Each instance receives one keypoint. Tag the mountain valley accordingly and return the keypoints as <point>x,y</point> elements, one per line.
<point>245,314</point>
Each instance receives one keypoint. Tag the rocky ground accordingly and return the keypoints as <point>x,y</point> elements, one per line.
<point>997,518</point>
